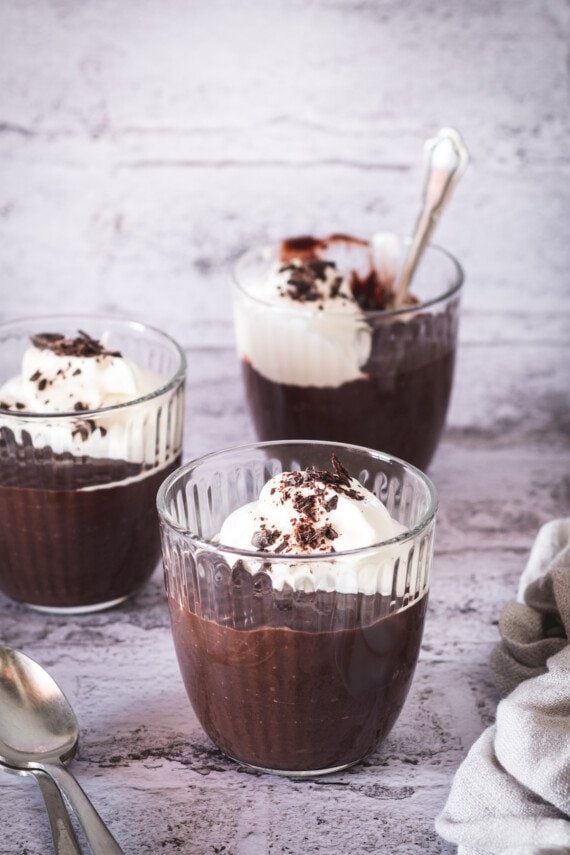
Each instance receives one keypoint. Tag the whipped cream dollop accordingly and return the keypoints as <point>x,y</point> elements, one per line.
<point>77,376</point>
<point>307,324</point>
<point>311,512</point>
<point>61,375</point>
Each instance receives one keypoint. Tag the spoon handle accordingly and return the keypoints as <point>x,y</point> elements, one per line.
<point>98,835</point>
<point>447,159</point>
<point>64,838</point>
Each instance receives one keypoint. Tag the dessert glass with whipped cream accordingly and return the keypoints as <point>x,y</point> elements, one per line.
<point>297,576</point>
<point>325,353</point>
<point>91,416</point>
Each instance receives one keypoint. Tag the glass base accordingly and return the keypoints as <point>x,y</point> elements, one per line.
<point>288,773</point>
<point>77,610</point>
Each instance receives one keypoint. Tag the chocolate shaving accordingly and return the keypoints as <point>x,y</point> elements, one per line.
<point>313,537</point>
<point>304,278</point>
<point>329,532</point>
<point>309,491</point>
<point>35,376</point>
<point>331,504</point>
<point>264,538</point>
<point>339,480</point>
<point>319,267</point>
<point>309,253</point>
<point>335,287</point>
<point>339,470</point>
<point>83,429</point>
<point>82,345</point>
<point>258,540</point>
<point>46,340</point>
<point>306,505</point>
<point>307,535</point>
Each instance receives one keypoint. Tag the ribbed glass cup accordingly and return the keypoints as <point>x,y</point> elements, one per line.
<point>298,665</point>
<point>78,525</point>
<point>381,379</point>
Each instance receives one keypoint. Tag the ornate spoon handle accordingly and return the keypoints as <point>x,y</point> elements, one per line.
<point>447,159</point>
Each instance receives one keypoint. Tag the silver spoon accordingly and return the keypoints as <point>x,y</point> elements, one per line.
<point>38,730</point>
<point>447,159</point>
<point>64,838</point>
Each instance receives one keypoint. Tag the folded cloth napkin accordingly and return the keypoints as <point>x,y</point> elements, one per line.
<point>511,794</point>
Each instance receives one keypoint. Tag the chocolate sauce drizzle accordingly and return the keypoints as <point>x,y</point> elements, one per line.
<point>305,257</point>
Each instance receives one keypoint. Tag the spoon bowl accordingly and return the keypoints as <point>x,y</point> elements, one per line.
<point>38,724</point>
<point>39,731</point>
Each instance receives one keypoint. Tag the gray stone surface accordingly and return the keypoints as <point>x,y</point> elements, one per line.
<point>142,147</point>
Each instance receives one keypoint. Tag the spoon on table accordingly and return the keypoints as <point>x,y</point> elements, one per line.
<point>447,159</point>
<point>64,838</point>
<point>39,731</point>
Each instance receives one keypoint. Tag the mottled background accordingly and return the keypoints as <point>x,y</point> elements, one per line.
<point>143,145</point>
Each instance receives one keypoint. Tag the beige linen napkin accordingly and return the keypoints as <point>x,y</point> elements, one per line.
<point>511,795</point>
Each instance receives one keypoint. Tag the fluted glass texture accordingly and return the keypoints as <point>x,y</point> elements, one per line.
<point>296,664</point>
<point>78,526</point>
<point>381,379</point>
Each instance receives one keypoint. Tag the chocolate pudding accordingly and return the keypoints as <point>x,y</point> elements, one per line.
<point>325,355</point>
<point>402,414</point>
<point>334,693</point>
<point>74,532</point>
<point>298,631</point>
<point>87,435</point>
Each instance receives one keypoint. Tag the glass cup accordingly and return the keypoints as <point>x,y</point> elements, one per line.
<point>297,665</point>
<point>78,525</point>
<point>380,379</point>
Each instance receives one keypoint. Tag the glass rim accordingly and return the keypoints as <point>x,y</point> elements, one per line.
<point>173,381</point>
<point>459,279</point>
<point>296,557</point>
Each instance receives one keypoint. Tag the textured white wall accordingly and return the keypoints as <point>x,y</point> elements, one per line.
<point>144,145</point>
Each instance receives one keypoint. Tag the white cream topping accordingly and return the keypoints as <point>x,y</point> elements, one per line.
<point>310,343</point>
<point>63,382</point>
<point>357,517</point>
<point>319,342</point>
<point>314,516</point>
<point>387,255</point>
<point>53,383</point>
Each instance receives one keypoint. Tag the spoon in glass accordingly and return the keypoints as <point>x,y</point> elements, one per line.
<point>447,159</point>
<point>39,731</point>
<point>64,838</point>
